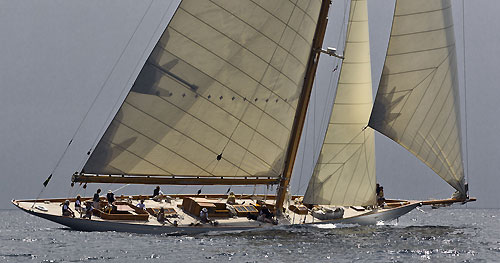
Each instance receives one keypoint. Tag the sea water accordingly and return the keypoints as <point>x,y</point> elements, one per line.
<point>442,235</point>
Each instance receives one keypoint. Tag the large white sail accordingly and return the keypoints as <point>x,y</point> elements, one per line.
<point>217,96</point>
<point>345,171</point>
<point>417,103</point>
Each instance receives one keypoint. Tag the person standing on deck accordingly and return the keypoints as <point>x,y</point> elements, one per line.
<point>380,197</point>
<point>78,204</point>
<point>96,199</point>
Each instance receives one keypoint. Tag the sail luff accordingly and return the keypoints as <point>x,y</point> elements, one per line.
<point>417,103</point>
<point>345,171</point>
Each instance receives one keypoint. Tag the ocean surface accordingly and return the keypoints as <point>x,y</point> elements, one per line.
<point>442,235</point>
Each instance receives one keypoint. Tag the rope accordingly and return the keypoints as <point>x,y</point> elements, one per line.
<point>120,188</point>
<point>92,104</point>
<point>465,95</point>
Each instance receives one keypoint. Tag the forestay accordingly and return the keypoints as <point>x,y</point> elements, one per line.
<point>218,94</point>
<point>417,103</point>
<point>345,171</point>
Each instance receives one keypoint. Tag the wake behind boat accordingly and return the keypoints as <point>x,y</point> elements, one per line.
<point>222,100</point>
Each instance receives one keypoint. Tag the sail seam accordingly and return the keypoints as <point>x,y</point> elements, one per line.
<point>235,67</point>
<point>408,71</point>
<point>358,155</point>
<point>439,112</point>
<point>125,149</point>
<point>423,96</point>
<point>312,19</point>
<point>423,12</point>
<point>236,42</point>
<point>189,137</point>
<point>423,32</point>
<point>287,54</point>
<point>420,51</point>
<point>249,100</point>
<point>440,133</point>
<point>285,26</point>
<point>211,102</point>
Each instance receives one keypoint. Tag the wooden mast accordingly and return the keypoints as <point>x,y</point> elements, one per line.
<point>300,115</point>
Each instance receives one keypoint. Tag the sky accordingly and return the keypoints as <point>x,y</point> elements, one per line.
<point>60,59</point>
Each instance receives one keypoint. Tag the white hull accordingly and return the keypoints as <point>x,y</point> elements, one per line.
<point>376,216</point>
<point>368,217</point>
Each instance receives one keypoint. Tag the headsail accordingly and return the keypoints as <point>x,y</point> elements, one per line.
<point>417,103</point>
<point>218,94</point>
<point>345,171</point>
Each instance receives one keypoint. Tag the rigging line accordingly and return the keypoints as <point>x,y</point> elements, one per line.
<point>126,88</point>
<point>333,75</point>
<point>335,72</point>
<point>315,90</point>
<point>299,186</point>
<point>120,188</point>
<point>465,95</point>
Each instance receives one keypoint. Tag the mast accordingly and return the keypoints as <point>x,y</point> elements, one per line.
<point>300,115</point>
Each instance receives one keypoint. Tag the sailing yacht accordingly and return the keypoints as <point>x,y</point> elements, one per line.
<point>222,100</point>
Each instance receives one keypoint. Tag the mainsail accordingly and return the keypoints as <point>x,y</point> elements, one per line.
<point>345,171</point>
<point>417,103</point>
<point>218,94</point>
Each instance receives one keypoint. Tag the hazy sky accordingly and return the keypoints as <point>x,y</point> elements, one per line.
<point>56,55</point>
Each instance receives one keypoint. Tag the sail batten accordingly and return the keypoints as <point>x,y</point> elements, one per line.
<point>217,95</point>
<point>344,174</point>
<point>417,102</point>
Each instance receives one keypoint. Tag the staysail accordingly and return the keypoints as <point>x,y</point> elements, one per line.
<point>417,103</point>
<point>218,94</point>
<point>345,171</point>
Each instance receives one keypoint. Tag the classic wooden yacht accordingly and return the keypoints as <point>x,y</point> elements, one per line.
<point>222,100</point>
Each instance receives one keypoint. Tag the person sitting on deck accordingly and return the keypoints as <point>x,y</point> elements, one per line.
<point>157,193</point>
<point>161,216</point>
<point>78,205</point>
<point>66,211</point>
<point>141,205</point>
<point>231,198</point>
<point>110,197</point>
<point>88,210</point>
<point>96,199</point>
<point>204,215</point>
<point>265,215</point>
